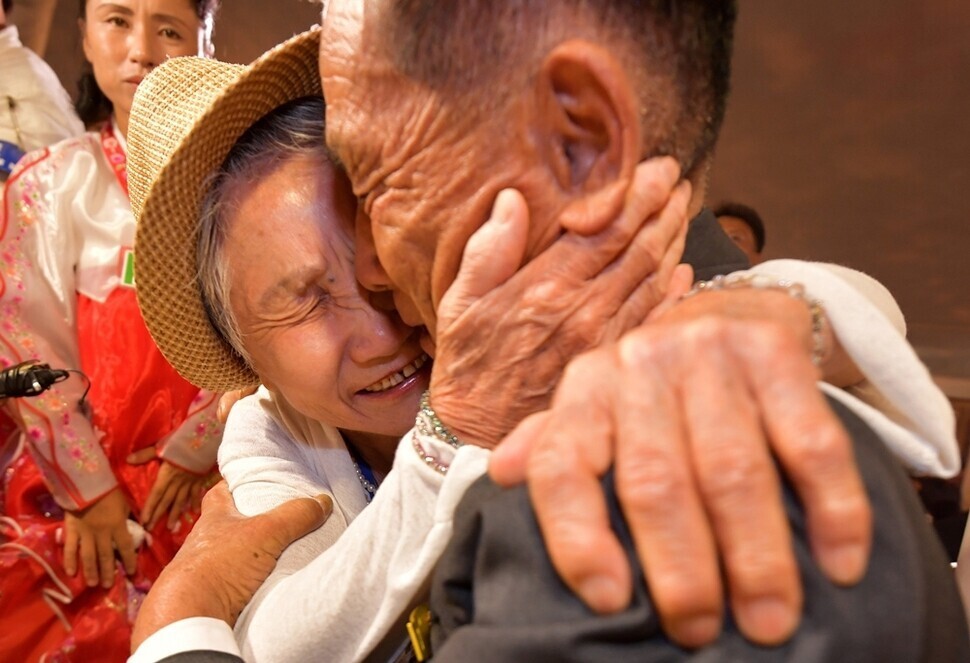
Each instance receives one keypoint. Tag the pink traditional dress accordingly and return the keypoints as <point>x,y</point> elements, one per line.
<point>67,298</point>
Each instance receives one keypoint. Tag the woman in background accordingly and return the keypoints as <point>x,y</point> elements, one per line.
<point>141,440</point>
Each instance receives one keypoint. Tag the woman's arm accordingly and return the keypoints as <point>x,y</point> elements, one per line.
<point>897,395</point>
<point>188,457</point>
<point>337,592</point>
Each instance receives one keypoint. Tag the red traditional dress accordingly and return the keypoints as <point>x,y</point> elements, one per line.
<point>67,298</point>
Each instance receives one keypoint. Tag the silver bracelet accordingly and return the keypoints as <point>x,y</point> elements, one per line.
<point>791,288</point>
<point>428,423</point>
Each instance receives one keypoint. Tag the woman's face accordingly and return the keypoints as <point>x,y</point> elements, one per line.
<point>125,39</point>
<point>312,332</point>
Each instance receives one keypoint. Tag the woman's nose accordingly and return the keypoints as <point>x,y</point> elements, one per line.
<point>140,48</point>
<point>378,332</point>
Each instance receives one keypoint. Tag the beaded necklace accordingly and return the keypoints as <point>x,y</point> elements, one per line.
<point>365,475</point>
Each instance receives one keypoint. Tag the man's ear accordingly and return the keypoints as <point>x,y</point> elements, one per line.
<point>590,121</point>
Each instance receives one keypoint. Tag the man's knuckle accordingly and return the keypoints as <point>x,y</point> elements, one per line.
<point>823,450</point>
<point>758,570</point>
<point>638,349</point>
<point>538,295</point>
<point>730,472</point>
<point>649,484</point>
<point>577,373</point>
<point>551,466</point>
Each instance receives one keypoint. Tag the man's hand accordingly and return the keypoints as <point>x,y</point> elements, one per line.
<point>502,323</point>
<point>174,492</point>
<point>96,532</point>
<point>691,408</point>
<point>224,560</point>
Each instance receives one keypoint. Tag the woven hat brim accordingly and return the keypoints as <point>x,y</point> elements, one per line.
<point>186,117</point>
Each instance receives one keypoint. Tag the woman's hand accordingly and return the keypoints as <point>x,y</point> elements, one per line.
<point>96,532</point>
<point>505,331</point>
<point>229,399</point>
<point>174,492</point>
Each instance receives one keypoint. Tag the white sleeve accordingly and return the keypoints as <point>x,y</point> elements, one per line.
<point>898,398</point>
<point>264,468</point>
<point>43,113</point>
<point>336,593</point>
<point>185,635</point>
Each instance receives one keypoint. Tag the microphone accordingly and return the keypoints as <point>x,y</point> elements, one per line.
<point>29,378</point>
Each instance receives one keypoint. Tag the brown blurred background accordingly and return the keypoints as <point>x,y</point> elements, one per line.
<point>847,130</point>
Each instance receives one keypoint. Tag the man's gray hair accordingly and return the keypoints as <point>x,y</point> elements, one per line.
<point>477,51</point>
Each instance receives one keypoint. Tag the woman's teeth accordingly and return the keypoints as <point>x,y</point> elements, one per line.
<point>397,378</point>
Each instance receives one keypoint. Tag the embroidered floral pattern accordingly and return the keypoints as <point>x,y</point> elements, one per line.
<point>73,462</point>
<point>208,432</point>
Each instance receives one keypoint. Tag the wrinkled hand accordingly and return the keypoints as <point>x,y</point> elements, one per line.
<point>174,492</point>
<point>95,533</point>
<point>690,408</point>
<point>505,331</point>
<point>224,560</point>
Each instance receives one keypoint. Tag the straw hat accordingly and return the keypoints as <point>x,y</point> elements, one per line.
<point>187,115</point>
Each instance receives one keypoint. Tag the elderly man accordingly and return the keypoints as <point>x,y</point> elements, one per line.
<point>562,115</point>
<point>565,101</point>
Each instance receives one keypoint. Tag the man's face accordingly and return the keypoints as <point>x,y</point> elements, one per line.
<point>424,179</point>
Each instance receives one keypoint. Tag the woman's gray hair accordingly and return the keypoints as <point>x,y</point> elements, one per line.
<point>295,129</point>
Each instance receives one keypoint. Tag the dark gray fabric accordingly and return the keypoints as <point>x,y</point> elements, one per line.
<point>496,596</point>
<point>709,250</point>
<point>201,657</point>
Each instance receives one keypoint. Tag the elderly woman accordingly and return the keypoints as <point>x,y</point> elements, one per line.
<point>246,275</point>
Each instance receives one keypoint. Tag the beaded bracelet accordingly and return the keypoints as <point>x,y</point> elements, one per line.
<point>428,423</point>
<point>791,288</point>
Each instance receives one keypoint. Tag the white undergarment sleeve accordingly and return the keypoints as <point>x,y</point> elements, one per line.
<point>898,398</point>
<point>190,634</point>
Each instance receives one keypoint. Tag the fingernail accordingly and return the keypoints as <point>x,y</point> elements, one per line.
<point>844,564</point>
<point>768,620</point>
<point>325,502</point>
<point>603,594</point>
<point>669,168</point>
<point>130,459</point>
<point>697,631</point>
<point>501,211</point>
